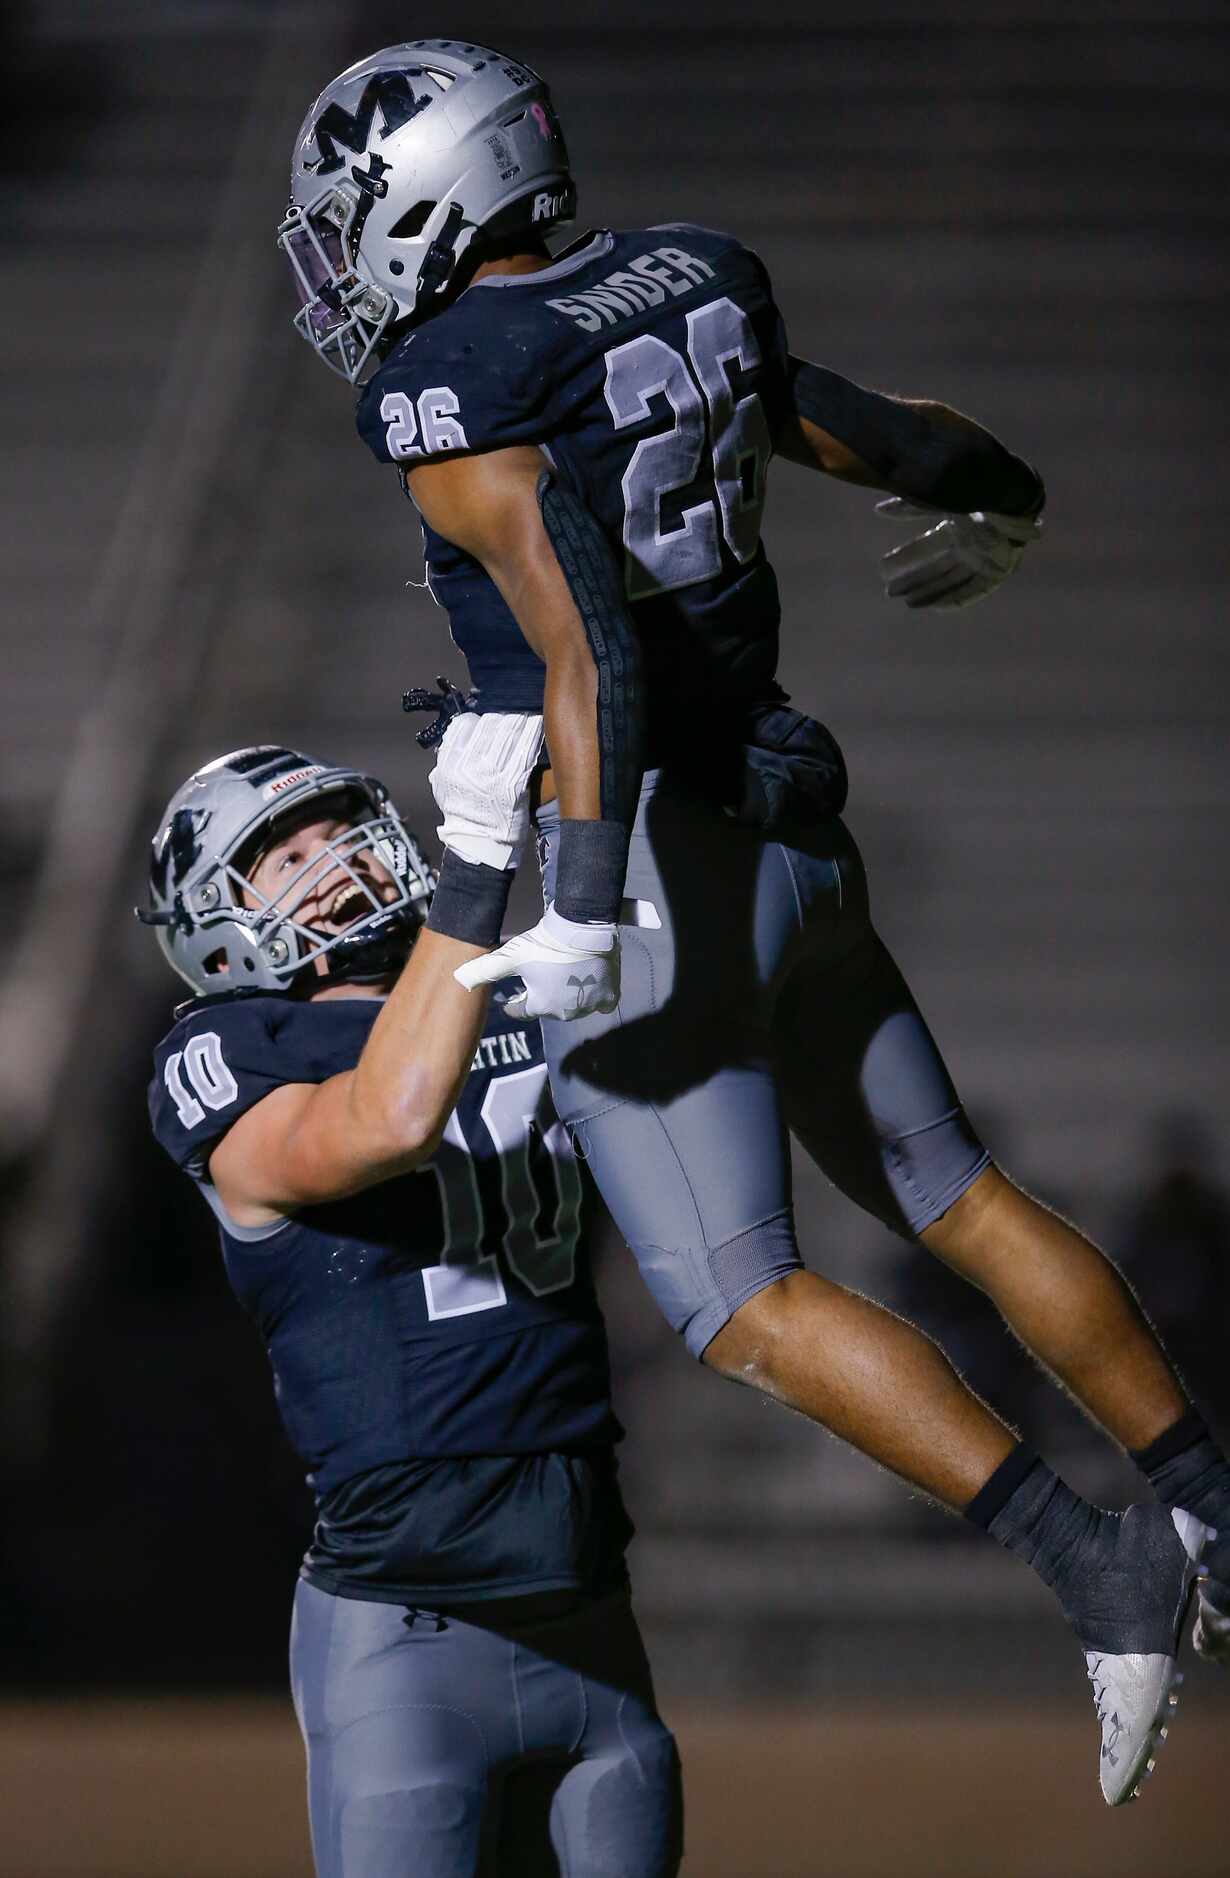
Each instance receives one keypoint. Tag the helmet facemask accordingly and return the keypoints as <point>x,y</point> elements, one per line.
<point>341,315</point>
<point>389,906</point>
<point>223,931</point>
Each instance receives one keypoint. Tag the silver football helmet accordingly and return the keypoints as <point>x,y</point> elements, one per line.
<point>398,166</point>
<point>221,934</point>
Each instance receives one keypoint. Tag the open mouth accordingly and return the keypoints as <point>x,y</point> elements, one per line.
<point>349,903</point>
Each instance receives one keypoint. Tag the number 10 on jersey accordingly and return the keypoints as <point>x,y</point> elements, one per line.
<point>537,1203</point>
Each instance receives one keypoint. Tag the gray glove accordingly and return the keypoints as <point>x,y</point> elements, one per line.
<point>957,559</point>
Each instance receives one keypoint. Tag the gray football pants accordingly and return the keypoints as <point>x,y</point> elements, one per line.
<point>757,998</point>
<point>437,1748</point>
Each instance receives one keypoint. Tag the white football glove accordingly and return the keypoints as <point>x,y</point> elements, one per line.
<point>567,969</point>
<point>957,559</point>
<point>481,782</point>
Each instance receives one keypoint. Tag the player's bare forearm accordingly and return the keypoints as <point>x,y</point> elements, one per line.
<point>564,586</point>
<point>488,505</point>
<point>912,447</point>
<point>806,444</point>
<point>570,726</point>
<point>308,1143</point>
<point>405,1084</point>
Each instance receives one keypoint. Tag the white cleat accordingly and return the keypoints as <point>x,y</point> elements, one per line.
<point>1211,1631</point>
<point>1136,1696</point>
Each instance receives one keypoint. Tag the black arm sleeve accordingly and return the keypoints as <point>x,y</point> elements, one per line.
<point>593,856</point>
<point>912,453</point>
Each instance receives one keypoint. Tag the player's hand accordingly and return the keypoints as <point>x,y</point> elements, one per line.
<point>566,969</point>
<point>957,559</point>
<point>481,782</point>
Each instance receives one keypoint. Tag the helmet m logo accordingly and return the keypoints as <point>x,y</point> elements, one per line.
<point>392,91</point>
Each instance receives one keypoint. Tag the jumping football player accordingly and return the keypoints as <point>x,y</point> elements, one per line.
<point>467,1672</point>
<point>586,437</point>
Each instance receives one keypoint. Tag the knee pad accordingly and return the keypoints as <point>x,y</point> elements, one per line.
<point>623,1812</point>
<point>409,1791</point>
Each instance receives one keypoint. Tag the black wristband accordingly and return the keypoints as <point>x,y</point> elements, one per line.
<point>590,864</point>
<point>470,900</point>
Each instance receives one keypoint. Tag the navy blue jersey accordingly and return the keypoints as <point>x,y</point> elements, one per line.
<point>650,366</point>
<point>438,1355</point>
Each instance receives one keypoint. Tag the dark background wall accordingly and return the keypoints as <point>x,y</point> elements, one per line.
<point>1020,208</point>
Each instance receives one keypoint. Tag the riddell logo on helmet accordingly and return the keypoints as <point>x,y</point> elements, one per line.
<point>546,206</point>
<point>282,783</point>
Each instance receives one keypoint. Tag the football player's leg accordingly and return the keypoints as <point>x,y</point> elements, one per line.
<point>1076,1314</point>
<point>886,1125</point>
<point>865,1088</point>
<point>1066,1302</point>
<point>699,1190</point>
<point>594,1790</point>
<point>396,1717</point>
<point>618,1808</point>
<point>672,1100</point>
<point>866,1092</point>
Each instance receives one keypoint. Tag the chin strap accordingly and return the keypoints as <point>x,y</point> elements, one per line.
<point>382,947</point>
<point>437,268</point>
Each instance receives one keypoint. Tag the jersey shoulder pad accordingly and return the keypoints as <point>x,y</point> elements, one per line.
<point>460,383</point>
<point>221,1056</point>
<point>712,245</point>
<point>725,257</point>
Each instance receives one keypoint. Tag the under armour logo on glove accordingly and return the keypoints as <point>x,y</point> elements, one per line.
<point>546,959</point>
<point>581,985</point>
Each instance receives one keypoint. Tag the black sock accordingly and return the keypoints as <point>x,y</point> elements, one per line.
<point>1117,1596</point>
<point>1185,1467</point>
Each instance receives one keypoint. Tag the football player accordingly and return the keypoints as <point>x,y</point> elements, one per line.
<point>586,436</point>
<point>398,1209</point>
